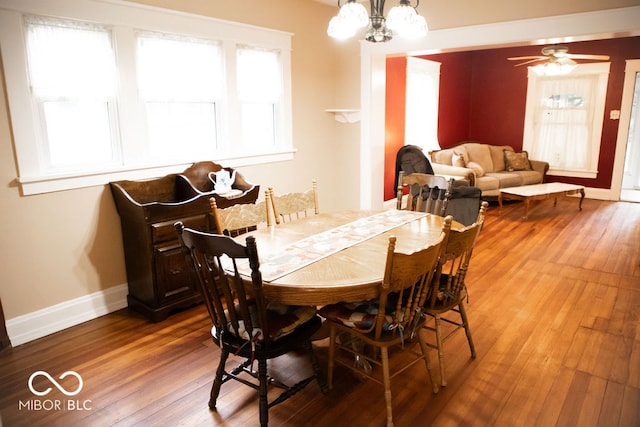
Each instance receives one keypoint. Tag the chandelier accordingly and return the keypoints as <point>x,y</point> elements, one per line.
<point>403,20</point>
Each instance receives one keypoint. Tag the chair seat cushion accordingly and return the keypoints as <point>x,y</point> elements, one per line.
<point>282,320</point>
<point>361,315</point>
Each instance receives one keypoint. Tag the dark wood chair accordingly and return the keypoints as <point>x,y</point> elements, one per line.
<point>393,319</point>
<point>244,324</point>
<point>427,193</point>
<point>446,296</point>
<point>292,206</point>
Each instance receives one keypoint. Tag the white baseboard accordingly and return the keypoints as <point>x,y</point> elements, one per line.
<point>38,324</point>
<point>600,194</point>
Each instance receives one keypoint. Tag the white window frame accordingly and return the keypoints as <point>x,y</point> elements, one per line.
<point>601,70</point>
<point>126,19</point>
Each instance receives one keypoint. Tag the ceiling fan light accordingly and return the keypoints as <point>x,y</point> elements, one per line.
<point>554,68</point>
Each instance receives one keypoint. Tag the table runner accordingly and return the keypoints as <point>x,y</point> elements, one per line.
<point>313,248</point>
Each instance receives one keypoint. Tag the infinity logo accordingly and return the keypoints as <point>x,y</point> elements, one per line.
<point>55,383</point>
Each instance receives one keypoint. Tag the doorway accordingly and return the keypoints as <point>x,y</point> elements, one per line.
<point>625,184</point>
<point>630,191</point>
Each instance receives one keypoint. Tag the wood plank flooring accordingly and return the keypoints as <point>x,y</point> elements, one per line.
<point>554,308</point>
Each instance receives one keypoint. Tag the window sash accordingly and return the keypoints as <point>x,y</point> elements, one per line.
<point>72,75</point>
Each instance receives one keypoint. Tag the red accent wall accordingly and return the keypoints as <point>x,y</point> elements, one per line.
<point>483,95</point>
<point>395,101</point>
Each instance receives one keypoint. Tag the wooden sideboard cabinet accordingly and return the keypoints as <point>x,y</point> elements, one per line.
<point>159,274</point>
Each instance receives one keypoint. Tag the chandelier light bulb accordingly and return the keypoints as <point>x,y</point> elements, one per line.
<point>354,14</point>
<point>400,17</point>
<point>338,29</point>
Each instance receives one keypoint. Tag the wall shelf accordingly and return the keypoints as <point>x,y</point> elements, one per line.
<point>345,115</point>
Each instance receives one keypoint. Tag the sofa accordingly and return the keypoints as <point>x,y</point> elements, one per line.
<point>488,167</point>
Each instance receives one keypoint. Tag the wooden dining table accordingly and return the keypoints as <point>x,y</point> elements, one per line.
<point>349,274</point>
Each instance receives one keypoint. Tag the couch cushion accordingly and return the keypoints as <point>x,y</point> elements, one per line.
<point>506,179</point>
<point>516,161</point>
<point>497,155</point>
<point>529,177</point>
<point>485,183</point>
<point>479,153</point>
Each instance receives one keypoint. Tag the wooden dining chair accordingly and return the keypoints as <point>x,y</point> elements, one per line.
<point>238,219</point>
<point>445,297</point>
<point>292,206</point>
<point>427,193</point>
<point>244,324</point>
<point>393,319</point>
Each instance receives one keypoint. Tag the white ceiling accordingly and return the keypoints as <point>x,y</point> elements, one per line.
<point>335,2</point>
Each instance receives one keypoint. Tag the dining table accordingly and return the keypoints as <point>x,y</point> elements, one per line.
<point>336,256</point>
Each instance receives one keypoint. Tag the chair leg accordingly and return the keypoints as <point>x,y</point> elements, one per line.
<point>264,404</point>
<point>217,382</point>
<point>384,356</point>
<point>316,368</point>
<point>332,351</point>
<point>467,330</point>
<point>443,379</point>
<point>425,355</point>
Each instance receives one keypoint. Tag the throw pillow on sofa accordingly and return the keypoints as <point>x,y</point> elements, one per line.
<point>457,159</point>
<point>516,161</point>
<point>476,168</point>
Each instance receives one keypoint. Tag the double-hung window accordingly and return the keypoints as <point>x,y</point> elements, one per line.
<point>102,91</point>
<point>563,119</point>
<point>73,84</point>
<point>180,85</point>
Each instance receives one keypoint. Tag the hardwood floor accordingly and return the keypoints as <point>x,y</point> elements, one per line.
<point>554,309</point>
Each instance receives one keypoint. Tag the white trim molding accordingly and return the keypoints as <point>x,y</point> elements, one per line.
<point>40,323</point>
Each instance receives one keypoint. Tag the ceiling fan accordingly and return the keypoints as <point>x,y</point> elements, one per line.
<point>557,54</point>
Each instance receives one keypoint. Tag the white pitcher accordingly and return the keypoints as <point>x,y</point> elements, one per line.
<point>222,181</point>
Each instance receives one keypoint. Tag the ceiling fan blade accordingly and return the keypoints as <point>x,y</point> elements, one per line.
<point>531,61</point>
<point>519,58</point>
<point>585,56</point>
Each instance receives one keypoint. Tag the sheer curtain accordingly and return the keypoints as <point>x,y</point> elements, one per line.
<point>563,122</point>
<point>73,80</point>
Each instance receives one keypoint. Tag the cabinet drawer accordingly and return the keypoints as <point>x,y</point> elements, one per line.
<point>165,231</point>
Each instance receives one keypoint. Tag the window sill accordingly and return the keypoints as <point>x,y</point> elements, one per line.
<point>573,173</point>
<point>52,183</point>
